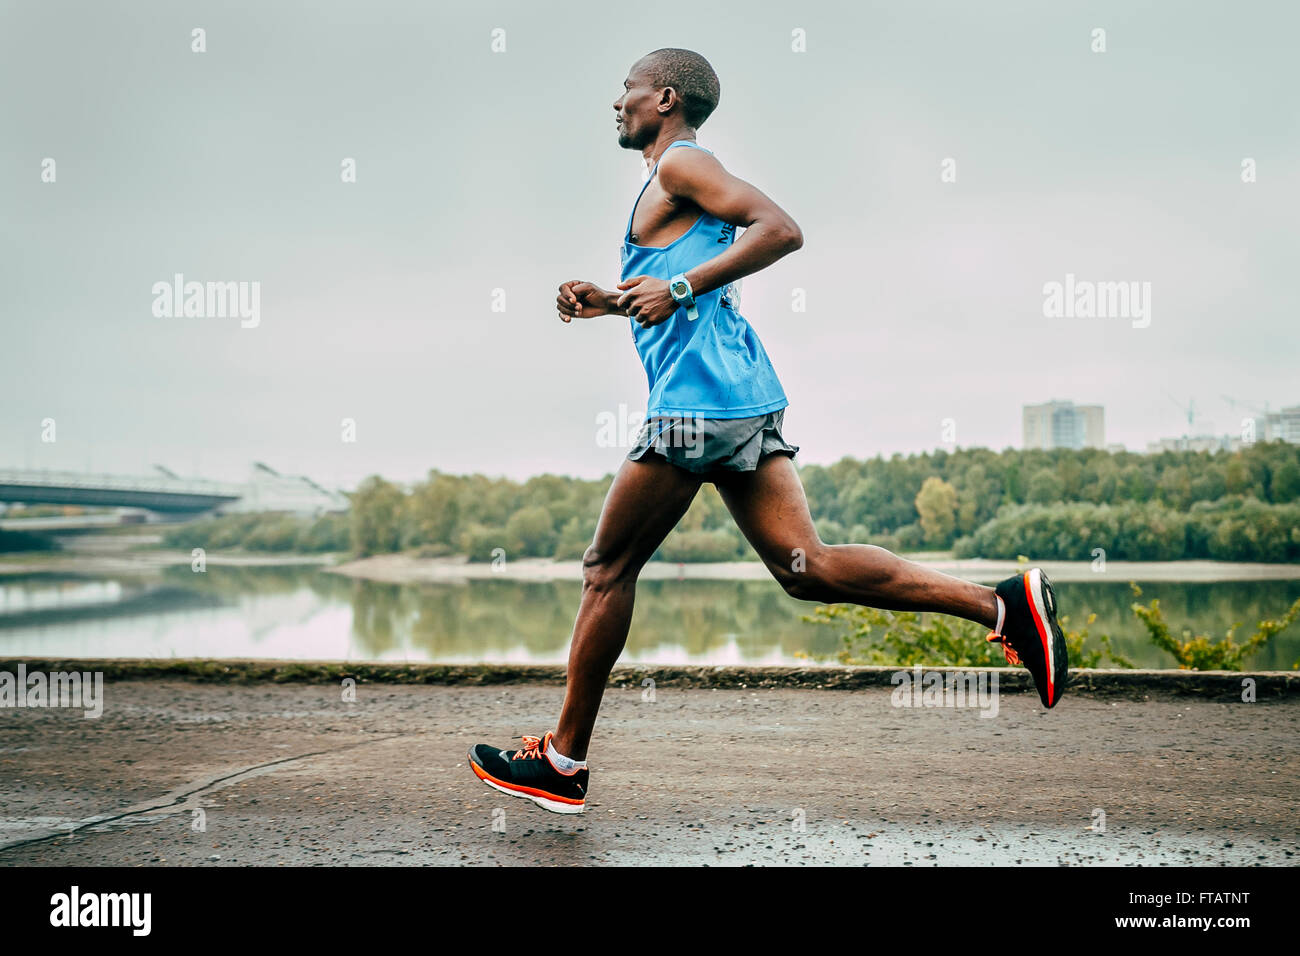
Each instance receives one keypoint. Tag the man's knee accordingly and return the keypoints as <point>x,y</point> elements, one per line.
<point>602,571</point>
<point>803,576</point>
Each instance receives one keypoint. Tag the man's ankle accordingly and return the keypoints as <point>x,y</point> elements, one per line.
<point>562,759</point>
<point>999,614</point>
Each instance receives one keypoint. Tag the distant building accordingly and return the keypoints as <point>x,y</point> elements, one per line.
<point>1281,426</point>
<point>268,490</point>
<point>1058,424</point>
<point>1194,443</point>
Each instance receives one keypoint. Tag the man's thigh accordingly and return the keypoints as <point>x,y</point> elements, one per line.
<point>771,510</point>
<point>645,502</point>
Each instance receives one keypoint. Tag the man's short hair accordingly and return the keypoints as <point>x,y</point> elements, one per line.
<point>691,76</point>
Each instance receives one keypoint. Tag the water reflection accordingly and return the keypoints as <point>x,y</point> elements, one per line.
<point>298,612</point>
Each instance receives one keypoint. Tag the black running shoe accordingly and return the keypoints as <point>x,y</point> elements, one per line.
<point>529,773</point>
<point>1030,634</point>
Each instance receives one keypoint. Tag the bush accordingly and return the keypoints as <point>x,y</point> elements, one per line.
<point>720,545</point>
<point>910,537</point>
<point>478,542</point>
<point>280,534</point>
<point>1227,531</point>
<point>1199,653</point>
<point>262,531</point>
<point>530,532</point>
<point>329,532</point>
<point>575,538</point>
<point>908,638</point>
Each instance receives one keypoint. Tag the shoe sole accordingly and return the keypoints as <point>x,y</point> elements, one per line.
<point>1042,606</point>
<point>553,804</point>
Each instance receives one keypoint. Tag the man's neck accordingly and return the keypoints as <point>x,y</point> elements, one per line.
<point>665,139</point>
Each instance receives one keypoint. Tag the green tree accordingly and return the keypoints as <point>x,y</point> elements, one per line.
<point>530,532</point>
<point>434,510</point>
<point>377,517</point>
<point>1286,482</point>
<point>936,503</point>
<point>1045,487</point>
<point>575,537</point>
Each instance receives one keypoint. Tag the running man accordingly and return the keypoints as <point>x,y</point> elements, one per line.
<point>714,414</point>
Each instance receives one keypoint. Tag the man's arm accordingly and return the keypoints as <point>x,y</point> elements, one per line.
<point>769,234</point>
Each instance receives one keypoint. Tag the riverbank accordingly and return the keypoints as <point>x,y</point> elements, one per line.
<point>407,569</point>
<point>187,774</point>
<point>136,554</point>
<point>131,555</point>
<point>1132,683</point>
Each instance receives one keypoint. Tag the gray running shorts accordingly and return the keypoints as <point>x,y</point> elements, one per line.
<point>702,445</point>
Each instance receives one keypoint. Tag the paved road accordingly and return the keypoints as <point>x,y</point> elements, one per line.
<point>289,774</point>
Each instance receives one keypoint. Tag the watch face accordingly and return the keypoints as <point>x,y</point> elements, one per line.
<point>679,288</point>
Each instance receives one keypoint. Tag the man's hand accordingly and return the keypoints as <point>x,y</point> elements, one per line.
<point>647,300</point>
<point>584,300</point>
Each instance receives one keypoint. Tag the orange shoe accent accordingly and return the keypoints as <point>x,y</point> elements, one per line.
<point>484,775</point>
<point>532,749</point>
<point>1008,651</point>
<point>1042,635</point>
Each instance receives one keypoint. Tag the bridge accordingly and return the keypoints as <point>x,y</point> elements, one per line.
<point>164,492</point>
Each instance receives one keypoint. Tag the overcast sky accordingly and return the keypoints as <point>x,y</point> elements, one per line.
<point>480,170</point>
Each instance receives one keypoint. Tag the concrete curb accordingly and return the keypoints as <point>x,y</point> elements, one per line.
<point>1134,684</point>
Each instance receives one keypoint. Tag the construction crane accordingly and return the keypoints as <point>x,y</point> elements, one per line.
<point>1189,410</point>
<point>1259,413</point>
<point>1257,407</point>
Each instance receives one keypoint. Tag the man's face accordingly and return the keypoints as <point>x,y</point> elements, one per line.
<point>638,118</point>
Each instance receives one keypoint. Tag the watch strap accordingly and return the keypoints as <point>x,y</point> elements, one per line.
<point>690,305</point>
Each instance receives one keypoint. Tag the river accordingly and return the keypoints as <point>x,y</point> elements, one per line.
<point>307,613</point>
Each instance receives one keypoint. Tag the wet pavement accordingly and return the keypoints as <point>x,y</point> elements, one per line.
<point>180,773</point>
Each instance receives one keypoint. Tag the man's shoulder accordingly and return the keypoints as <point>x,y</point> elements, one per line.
<point>680,165</point>
<point>685,154</point>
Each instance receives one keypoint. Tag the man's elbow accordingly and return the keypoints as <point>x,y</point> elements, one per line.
<point>792,236</point>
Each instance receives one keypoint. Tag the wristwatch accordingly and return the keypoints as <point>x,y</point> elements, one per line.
<point>684,295</point>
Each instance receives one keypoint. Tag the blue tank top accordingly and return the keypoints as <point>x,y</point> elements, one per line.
<point>714,367</point>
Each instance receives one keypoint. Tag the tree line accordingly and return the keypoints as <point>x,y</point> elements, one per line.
<point>1060,504</point>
